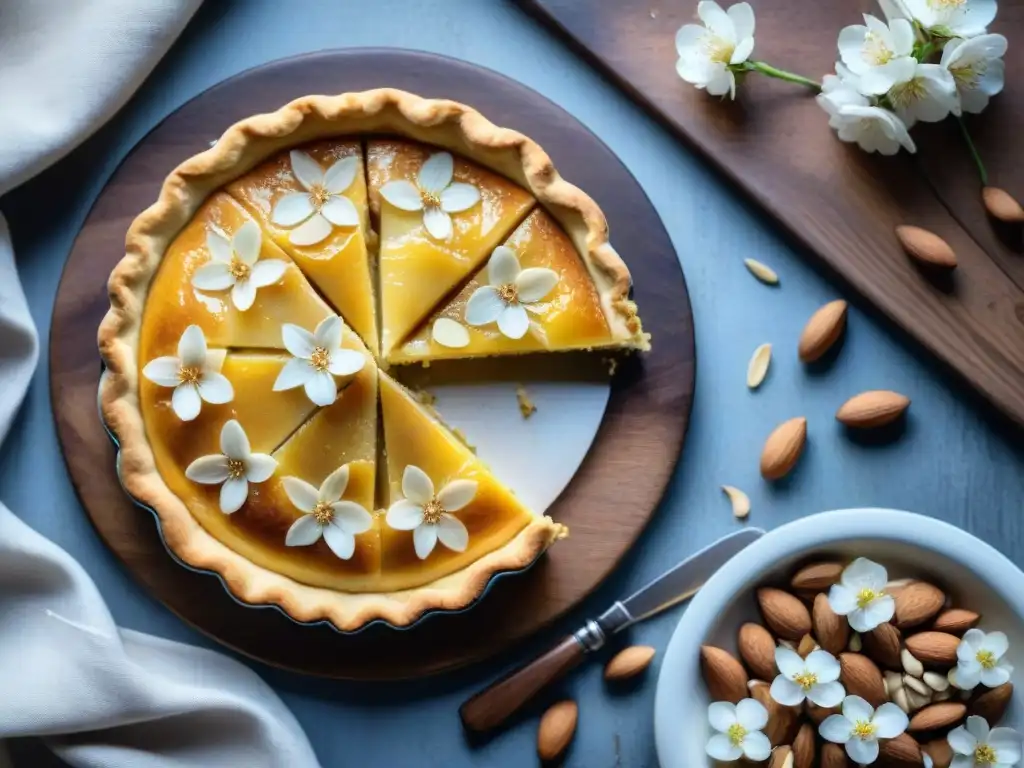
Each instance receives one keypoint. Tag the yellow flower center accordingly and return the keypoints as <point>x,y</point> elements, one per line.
<point>736,733</point>
<point>875,51</point>
<point>968,76</point>
<point>717,49</point>
<point>985,755</point>
<point>905,94</point>
<point>806,680</point>
<point>430,199</point>
<point>323,513</point>
<point>864,730</point>
<point>432,511</point>
<point>946,5</point>
<point>190,374</point>
<point>508,293</point>
<point>236,468</point>
<point>987,659</point>
<point>867,596</point>
<point>239,269</point>
<point>318,196</point>
<point>320,359</point>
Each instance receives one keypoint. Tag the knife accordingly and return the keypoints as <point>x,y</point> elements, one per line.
<point>492,706</point>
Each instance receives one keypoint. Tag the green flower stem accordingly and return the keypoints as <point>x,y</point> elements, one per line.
<point>974,152</point>
<point>780,74</point>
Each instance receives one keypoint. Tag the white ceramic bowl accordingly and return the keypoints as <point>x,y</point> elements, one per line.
<point>975,574</point>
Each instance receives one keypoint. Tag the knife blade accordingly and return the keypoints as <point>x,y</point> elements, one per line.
<point>492,706</point>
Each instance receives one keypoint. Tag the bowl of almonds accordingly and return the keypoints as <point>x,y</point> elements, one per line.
<point>857,637</point>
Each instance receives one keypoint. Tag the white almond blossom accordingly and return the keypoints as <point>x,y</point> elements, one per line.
<point>814,678</point>
<point>511,292</point>
<point>738,729</point>
<point>428,515</point>
<point>860,727</point>
<point>974,745</point>
<point>339,522</point>
<point>322,206</point>
<point>318,358</point>
<point>194,374</point>
<point>879,55</point>
<point>856,120</point>
<point>977,68</point>
<point>929,96</point>
<point>708,52</point>
<point>434,193</point>
<point>235,467</point>
<point>953,18</point>
<point>860,595</point>
<point>980,660</point>
<point>235,264</point>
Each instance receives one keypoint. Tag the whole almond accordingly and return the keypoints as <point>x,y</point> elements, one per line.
<point>926,247</point>
<point>875,408</point>
<point>937,717</point>
<point>757,649</point>
<point>882,645</point>
<point>783,722</point>
<point>861,677</point>
<point>557,727</point>
<point>834,756</point>
<point>629,662</point>
<point>782,449</point>
<point>818,714</point>
<point>916,603</point>
<point>804,747</point>
<point>992,704</point>
<point>784,614</point>
<point>822,331</point>
<point>940,752</point>
<point>816,577</point>
<point>723,674</point>
<point>831,629</point>
<point>934,649</point>
<point>807,646</point>
<point>955,621</point>
<point>901,752</point>
<point>1001,205</point>
<point>782,757</point>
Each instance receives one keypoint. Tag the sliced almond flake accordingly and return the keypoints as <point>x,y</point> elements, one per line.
<point>763,273</point>
<point>757,369</point>
<point>740,501</point>
<point>449,333</point>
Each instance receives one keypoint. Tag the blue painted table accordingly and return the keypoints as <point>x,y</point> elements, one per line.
<point>956,460</point>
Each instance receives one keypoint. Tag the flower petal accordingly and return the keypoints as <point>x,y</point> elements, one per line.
<point>827,695</point>
<point>786,692</point>
<point>503,266</point>
<point>457,494</point>
<point>233,441</point>
<point>717,20</point>
<point>403,195</point>
<point>298,341</point>
<point>978,728</point>
<point>417,487</point>
<point>721,82</point>
<point>861,751</point>
<point>855,708</point>
<point>192,347</point>
<point>436,172</point>
<point>340,176</point>
<point>970,644</point>
<point>751,714</point>
<point>312,231</point>
<point>962,742</point>
<point>459,197</point>
<point>823,665</point>
<point>484,306</point>
<point>292,209</point>
<point>186,402</point>
<point>742,16</point>
<point>449,333</point>
<point>295,373</point>
<point>722,715</point>
<point>864,574</point>
<point>535,283</point>
<point>328,333</point>
<point>345,362</point>
<point>247,242</point>
<point>513,321</point>
<point>720,747</point>
<point>243,294</point>
<point>163,371</point>
<point>452,533</point>
<point>259,467</point>
<point>215,388</point>
<point>341,542</point>
<point>996,643</point>
<point>842,600</point>
<point>903,38</point>
<point>967,677</point>
<point>334,485</point>
<point>213,276</point>
<point>438,223</point>
<point>267,272</point>
<point>304,531</point>
<point>836,728</point>
<point>307,170</point>
<point>993,678</point>
<point>300,493</point>
<point>321,388</point>
<point>404,515</point>
<point>1007,744</point>
<point>233,494</point>
<point>208,470</point>
<point>340,212</point>
<point>890,721</point>
<point>878,612</point>
<point>756,746</point>
<point>789,662</point>
<point>424,539</point>
<point>689,38</point>
<point>743,50</point>
<point>352,518</point>
<point>219,247</point>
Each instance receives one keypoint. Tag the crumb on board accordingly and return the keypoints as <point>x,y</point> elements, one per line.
<point>426,398</point>
<point>526,406</point>
<point>461,436</point>
<point>613,365</point>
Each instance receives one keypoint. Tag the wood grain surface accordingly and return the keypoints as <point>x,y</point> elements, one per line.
<point>612,497</point>
<point>774,143</point>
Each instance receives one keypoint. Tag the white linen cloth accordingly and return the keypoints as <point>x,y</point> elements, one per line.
<point>99,695</point>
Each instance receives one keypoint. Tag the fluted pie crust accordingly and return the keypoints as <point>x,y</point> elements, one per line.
<point>243,147</point>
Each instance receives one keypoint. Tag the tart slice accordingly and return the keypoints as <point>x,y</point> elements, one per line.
<point>440,218</point>
<point>446,511</point>
<point>312,202</point>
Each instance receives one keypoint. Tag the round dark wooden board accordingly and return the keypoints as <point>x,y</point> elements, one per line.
<point>606,506</point>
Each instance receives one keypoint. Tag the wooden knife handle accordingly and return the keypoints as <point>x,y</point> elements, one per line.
<point>495,704</point>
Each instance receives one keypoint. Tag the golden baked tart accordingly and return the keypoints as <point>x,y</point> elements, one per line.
<point>261,299</point>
